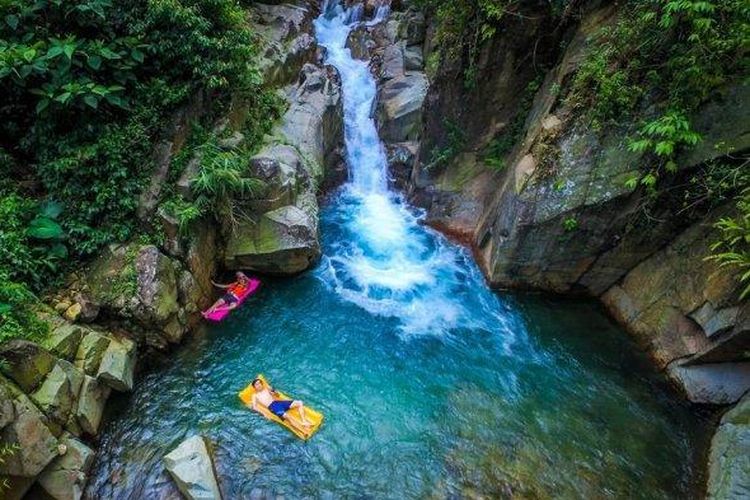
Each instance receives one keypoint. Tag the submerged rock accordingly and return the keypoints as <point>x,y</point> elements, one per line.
<point>729,458</point>
<point>65,477</point>
<point>192,470</point>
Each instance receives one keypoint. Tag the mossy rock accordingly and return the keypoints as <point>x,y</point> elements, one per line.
<point>26,363</point>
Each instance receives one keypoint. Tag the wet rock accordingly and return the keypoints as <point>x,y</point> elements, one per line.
<point>729,457</point>
<point>192,470</point>
<point>118,364</point>
<point>91,401</point>
<point>721,383</point>
<point>401,158</point>
<point>399,111</point>
<point>37,446</point>
<point>393,62</point>
<point>64,340</point>
<point>90,352</point>
<point>413,59</point>
<point>284,241</point>
<point>65,477</point>
<point>57,396</point>
<point>26,363</point>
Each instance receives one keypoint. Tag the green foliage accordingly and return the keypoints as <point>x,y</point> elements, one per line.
<point>733,248</point>
<point>570,224</point>
<point>17,316</point>
<point>6,451</point>
<point>464,25</point>
<point>89,85</point>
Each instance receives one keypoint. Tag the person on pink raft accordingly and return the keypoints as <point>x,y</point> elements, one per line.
<point>231,298</point>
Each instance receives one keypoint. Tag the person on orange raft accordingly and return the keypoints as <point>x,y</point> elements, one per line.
<point>266,396</point>
<point>231,298</point>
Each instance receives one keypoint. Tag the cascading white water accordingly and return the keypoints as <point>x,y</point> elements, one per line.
<point>386,262</point>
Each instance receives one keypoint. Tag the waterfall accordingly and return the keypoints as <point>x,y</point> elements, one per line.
<point>386,261</point>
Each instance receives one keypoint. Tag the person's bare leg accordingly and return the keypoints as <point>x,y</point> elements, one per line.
<point>297,425</point>
<point>215,306</point>
<point>301,409</point>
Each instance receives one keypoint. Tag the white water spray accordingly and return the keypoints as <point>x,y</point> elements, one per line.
<point>385,261</point>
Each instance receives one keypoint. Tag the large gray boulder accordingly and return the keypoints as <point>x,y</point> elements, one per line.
<point>65,477</point>
<point>58,394</point>
<point>90,351</point>
<point>29,431</point>
<point>719,383</point>
<point>63,341</point>
<point>91,401</point>
<point>283,238</point>
<point>284,241</point>
<point>118,365</point>
<point>26,363</point>
<point>192,470</point>
<point>729,458</point>
<point>399,111</point>
<point>137,282</point>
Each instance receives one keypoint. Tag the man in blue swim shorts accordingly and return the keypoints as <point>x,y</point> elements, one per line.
<point>267,397</point>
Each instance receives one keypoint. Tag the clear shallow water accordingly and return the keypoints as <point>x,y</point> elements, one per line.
<point>432,385</point>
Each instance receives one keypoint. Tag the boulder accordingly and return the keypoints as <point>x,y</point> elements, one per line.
<point>72,312</point>
<point>720,383</point>
<point>393,62</point>
<point>729,456</point>
<point>37,446</point>
<point>118,364</point>
<point>26,363</point>
<point>7,411</point>
<point>399,110</point>
<point>88,309</point>
<point>284,241</point>
<point>137,282</point>
<point>64,340</point>
<point>58,394</point>
<point>413,58</point>
<point>91,401</point>
<point>65,477</point>
<point>90,352</point>
<point>286,30</point>
<point>192,470</point>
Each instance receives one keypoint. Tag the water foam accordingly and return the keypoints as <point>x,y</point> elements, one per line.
<point>387,262</point>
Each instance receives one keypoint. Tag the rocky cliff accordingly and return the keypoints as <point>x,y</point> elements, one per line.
<point>553,211</point>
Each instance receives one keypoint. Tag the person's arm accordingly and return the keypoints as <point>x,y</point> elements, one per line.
<point>219,285</point>
<point>255,403</point>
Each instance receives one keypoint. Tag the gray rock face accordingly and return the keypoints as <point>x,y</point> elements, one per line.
<point>58,394</point>
<point>721,383</point>
<point>729,458</point>
<point>64,341</point>
<point>283,239</point>
<point>90,352</point>
<point>192,470</point>
<point>37,446</point>
<point>287,32</point>
<point>118,365</point>
<point>91,400</point>
<point>399,111</point>
<point>65,477</point>
<point>139,283</point>
<point>26,363</point>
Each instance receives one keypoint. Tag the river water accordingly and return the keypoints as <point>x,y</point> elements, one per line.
<point>431,384</point>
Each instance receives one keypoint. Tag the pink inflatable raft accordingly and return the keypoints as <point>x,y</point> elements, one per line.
<point>220,314</point>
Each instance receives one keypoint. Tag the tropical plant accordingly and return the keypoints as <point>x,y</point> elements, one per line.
<point>732,250</point>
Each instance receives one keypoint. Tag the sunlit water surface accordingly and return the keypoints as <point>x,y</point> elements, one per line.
<point>431,384</point>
